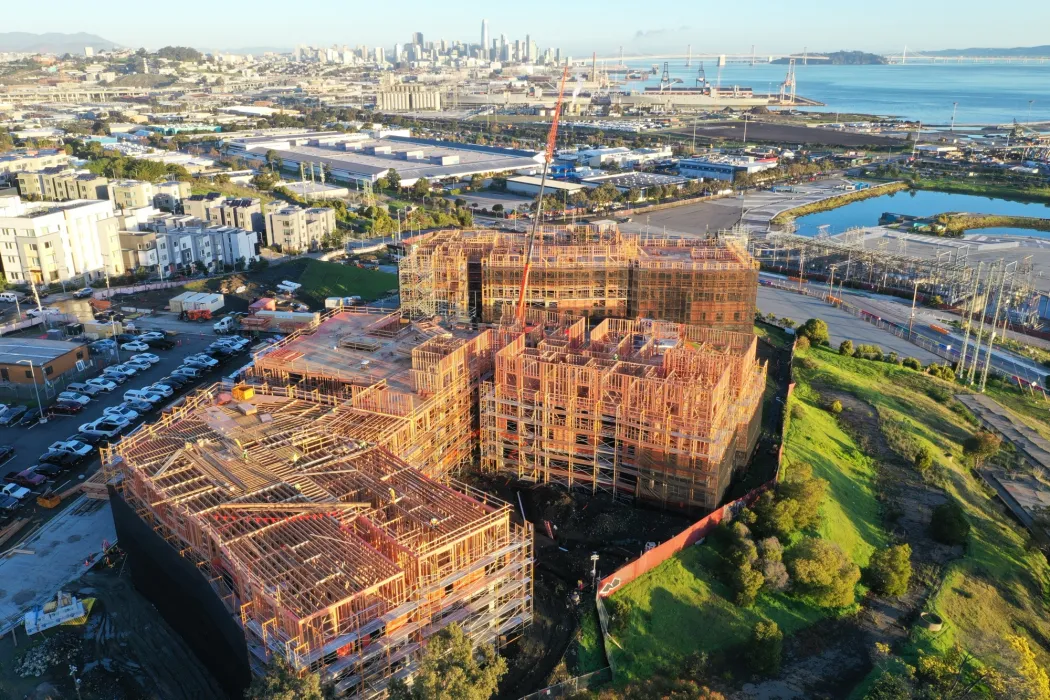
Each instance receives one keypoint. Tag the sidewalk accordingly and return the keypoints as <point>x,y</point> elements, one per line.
<point>1034,447</point>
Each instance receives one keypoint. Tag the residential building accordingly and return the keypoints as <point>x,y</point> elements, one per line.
<point>198,206</point>
<point>61,184</point>
<point>131,194</point>
<point>52,242</point>
<point>139,249</point>
<point>24,159</point>
<point>182,241</point>
<point>242,212</point>
<point>169,196</point>
<point>295,228</point>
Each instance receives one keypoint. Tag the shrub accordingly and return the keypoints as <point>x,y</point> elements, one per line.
<point>981,445</point>
<point>890,570</point>
<point>801,343</point>
<point>823,571</point>
<point>775,575</point>
<point>923,459</point>
<point>944,372</point>
<point>775,517</point>
<point>836,407</point>
<point>806,491</point>
<point>766,648</point>
<point>816,330</point>
<point>770,549</point>
<point>911,363</point>
<point>949,524</point>
<point>869,352</point>
<point>889,686</point>
<point>846,348</point>
<point>746,582</point>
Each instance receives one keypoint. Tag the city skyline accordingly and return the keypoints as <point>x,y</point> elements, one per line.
<point>581,27</point>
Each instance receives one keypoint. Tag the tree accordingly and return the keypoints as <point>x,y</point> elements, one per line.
<point>822,570</point>
<point>766,648</point>
<point>200,266</point>
<point>982,445</point>
<point>846,348</point>
<point>281,683</point>
<point>393,179</point>
<point>889,686</point>
<point>912,363</point>
<point>633,194</point>
<point>452,670</point>
<point>923,459</point>
<point>807,491</point>
<point>747,582</point>
<point>949,524</point>
<point>890,570</point>
<point>956,674</point>
<point>835,407</point>
<point>816,330</point>
<point>421,187</point>
<point>775,516</point>
<point>477,181</point>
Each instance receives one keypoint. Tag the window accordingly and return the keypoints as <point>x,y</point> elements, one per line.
<point>49,370</point>
<point>29,373</point>
<point>80,355</point>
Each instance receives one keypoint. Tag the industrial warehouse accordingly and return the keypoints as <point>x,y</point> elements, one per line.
<point>313,510</point>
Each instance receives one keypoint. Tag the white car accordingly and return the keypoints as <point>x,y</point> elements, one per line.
<point>142,395</point>
<point>45,311</point>
<point>107,426</point>
<point>15,491</point>
<point>114,374</point>
<point>101,383</point>
<point>188,372</point>
<point>162,389</point>
<point>76,447</point>
<point>84,388</point>
<point>123,410</point>
<point>82,399</point>
<point>201,361</point>
<point>135,346</point>
<point>126,369</point>
<point>147,357</point>
<point>140,365</point>
<point>152,335</point>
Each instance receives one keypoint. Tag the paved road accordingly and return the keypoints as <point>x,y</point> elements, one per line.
<point>1035,448</point>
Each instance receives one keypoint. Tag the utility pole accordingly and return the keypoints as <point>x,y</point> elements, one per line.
<point>984,312</point>
<point>911,319</point>
<point>969,318</point>
<point>995,324</point>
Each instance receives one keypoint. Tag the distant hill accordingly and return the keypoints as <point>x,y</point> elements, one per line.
<point>53,42</point>
<point>1032,51</point>
<point>843,58</point>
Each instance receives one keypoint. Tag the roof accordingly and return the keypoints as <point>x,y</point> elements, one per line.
<point>550,184</point>
<point>12,350</point>
<point>635,179</point>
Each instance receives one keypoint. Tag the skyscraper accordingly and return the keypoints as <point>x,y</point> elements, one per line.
<point>485,37</point>
<point>417,38</point>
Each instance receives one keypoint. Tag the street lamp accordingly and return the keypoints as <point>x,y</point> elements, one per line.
<point>36,387</point>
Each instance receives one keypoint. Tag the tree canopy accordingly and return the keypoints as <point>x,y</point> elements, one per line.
<point>281,683</point>
<point>452,669</point>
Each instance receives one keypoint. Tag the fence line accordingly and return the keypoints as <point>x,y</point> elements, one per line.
<point>572,685</point>
<point>133,288</point>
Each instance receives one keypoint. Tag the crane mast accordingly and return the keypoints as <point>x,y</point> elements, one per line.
<point>548,156</point>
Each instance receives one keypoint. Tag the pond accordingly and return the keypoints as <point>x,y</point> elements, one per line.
<point>923,203</point>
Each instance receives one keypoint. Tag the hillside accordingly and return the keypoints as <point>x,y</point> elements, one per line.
<point>843,58</point>
<point>979,52</point>
<point>53,42</point>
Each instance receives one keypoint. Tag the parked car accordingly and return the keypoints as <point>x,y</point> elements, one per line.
<point>29,418</point>
<point>134,346</point>
<point>173,381</point>
<point>141,407</point>
<point>142,395</point>
<point>114,374</point>
<point>84,293</point>
<point>103,346</point>
<point>146,357</point>
<point>122,410</point>
<point>85,388</point>
<point>102,383</point>
<point>72,446</point>
<point>160,343</point>
<point>89,438</point>
<point>187,371</point>
<point>216,350</point>
<point>140,365</point>
<point>151,335</point>
<point>66,408</point>
<point>201,361</point>
<point>164,390</point>
<point>75,397</point>
<point>48,471</point>
<point>12,415</point>
<point>15,491</point>
<point>6,452</point>
<point>61,458</point>
<point>124,369</point>
<point>24,478</point>
<point>42,311</point>
<point>8,504</point>
<point>108,427</point>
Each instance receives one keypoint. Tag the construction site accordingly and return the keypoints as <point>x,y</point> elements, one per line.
<point>328,550</point>
<point>661,412</point>
<point>589,270</point>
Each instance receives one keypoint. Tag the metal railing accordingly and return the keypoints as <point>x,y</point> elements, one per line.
<point>574,685</point>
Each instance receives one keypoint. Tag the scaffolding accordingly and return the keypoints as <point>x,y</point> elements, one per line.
<point>589,270</point>
<point>658,411</point>
<point>331,552</point>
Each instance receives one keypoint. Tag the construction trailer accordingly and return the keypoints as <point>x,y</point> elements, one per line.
<point>330,551</point>
<point>196,301</point>
<point>657,411</point>
<point>589,270</point>
<point>410,386</point>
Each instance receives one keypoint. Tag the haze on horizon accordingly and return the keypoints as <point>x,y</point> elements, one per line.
<point>578,27</point>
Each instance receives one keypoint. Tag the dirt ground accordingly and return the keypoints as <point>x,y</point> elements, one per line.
<point>125,651</point>
<point>582,524</point>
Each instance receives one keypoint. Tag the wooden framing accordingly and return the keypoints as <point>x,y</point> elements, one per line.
<point>331,551</point>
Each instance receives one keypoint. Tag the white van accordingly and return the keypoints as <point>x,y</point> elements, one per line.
<point>11,297</point>
<point>225,325</point>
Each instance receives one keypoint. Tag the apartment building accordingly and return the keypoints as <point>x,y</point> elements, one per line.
<point>60,184</point>
<point>170,195</point>
<point>27,159</point>
<point>51,242</point>
<point>294,228</point>
<point>199,206</point>
<point>242,212</point>
<point>168,242</point>
<point>131,194</point>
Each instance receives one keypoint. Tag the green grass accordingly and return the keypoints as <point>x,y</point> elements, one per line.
<point>680,608</point>
<point>325,279</point>
<point>776,336</point>
<point>997,587</point>
<point>589,654</point>
<point>977,186</point>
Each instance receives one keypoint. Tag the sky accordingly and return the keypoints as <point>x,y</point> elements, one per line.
<point>576,26</point>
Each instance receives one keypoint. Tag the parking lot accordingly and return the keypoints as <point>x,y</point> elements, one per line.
<point>31,442</point>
